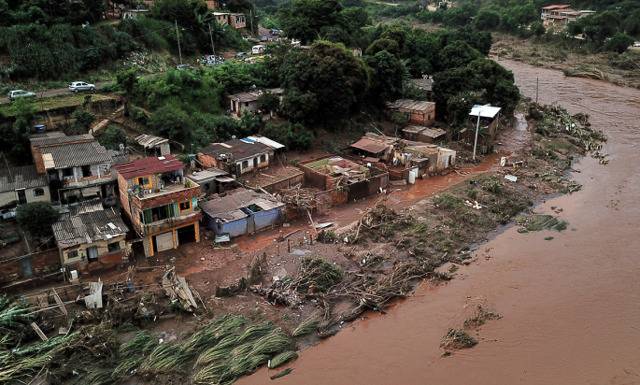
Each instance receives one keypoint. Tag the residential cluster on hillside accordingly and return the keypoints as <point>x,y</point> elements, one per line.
<point>120,10</point>
<point>556,17</point>
<point>114,205</point>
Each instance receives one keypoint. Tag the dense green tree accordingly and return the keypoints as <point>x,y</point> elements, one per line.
<point>37,218</point>
<point>457,54</point>
<point>14,139</point>
<point>323,84</point>
<point>383,44</point>
<point>487,19</point>
<point>304,19</point>
<point>491,82</point>
<point>112,137</point>
<point>293,136</point>
<point>387,75</point>
<point>618,42</point>
<point>82,120</point>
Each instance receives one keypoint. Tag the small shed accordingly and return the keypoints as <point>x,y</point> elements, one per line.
<point>418,111</point>
<point>241,211</point>
<point>489,118</point>
<point>423,134</point>
<point>156,145</point>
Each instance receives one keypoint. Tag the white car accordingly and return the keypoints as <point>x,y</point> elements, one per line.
<point>257,49</point>
<point>81,86</point>
<point>6,214</point>
<point>16,94</point>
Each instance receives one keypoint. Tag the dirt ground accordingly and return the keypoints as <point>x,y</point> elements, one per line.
<point>622,70</point>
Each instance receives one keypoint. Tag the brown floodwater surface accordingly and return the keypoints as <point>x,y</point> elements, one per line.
<point>570,306</point>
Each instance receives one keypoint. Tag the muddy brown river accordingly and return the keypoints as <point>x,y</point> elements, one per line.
<point>570,306</point>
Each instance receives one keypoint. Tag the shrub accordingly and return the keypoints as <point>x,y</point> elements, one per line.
<point>37,218</point>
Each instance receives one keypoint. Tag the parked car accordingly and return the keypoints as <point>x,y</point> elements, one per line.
<point>81,86</point>
<point>258,49</point>
<point>242,55</point>
<point>7,214</point>
<point>211,60</point>
<point>17,94</point>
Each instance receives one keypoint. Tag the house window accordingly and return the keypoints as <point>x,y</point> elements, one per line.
<point>38,192</point>
<point>115,246</point>
<point>67,172</point>
<point>143,181</point>
<point>263,158</point>
<point>72,254</point>
<point>186,205</point>
<point>245,164</point>
<point>86,171</point>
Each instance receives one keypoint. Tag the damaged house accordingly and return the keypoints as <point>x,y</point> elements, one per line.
<point>90,238</point>
<point>78,167</point>
<point>404,159</point>
<point>212,180</point>
<point>347,180</point>
<point>236,156</point>
<point>160,202</point>
<point>424,134</point>
<point>241,211</point>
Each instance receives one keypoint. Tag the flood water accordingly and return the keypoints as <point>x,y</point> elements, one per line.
<point>570,306</point>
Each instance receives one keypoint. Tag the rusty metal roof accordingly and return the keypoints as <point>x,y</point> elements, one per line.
<point>149,166</point>
<point>370,145</point>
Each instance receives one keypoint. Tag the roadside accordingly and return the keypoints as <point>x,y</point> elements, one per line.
<point>50,93</point>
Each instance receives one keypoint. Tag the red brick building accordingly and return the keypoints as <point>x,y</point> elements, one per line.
<point>160,202</point>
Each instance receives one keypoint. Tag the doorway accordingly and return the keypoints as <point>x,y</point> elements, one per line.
<point>22,196</point>
<point>186,234</point>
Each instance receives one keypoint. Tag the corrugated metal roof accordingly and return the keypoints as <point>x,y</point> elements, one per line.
<point>236,149</point>
<point>150,141</point>
<point>228,207</point>
<point>88,227</point>
<point>266,141</point>
<point>426,131</point>
<point>76,154</point>
<point>409,104</point>
<point>486,111</point>
<point>21,177</point>
<point>204,175</point>
<point>149,166</point>
<point>370,145</point>
<point>57,138</point>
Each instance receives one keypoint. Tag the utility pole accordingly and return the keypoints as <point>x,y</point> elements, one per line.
<point>251,19</point>
<point>213,47</point>
<point>537,85</point>
<point>475,141</point>
<point>178,38</point>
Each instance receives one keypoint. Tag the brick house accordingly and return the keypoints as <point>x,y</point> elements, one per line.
<point>418,112</point>
<point>160,202</point>
<point>235,20</point>
<point>91,238</point>
<point>236,156</point>
<point>77,167</point>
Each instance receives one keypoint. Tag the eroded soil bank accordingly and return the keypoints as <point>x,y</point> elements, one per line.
<point>570,306</point>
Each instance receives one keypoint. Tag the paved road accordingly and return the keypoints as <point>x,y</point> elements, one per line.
<point>54,92</point>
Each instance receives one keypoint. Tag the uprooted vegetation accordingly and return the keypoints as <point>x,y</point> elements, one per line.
<point>382,257</point>
<point>217,353</point>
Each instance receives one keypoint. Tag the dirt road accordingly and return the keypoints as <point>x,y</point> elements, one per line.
<point>53,92</point>
<point>570,305</point>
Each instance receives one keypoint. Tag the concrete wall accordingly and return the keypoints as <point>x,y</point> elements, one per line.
<point>102,247</point>
<point>9,197</point>
<point>39,264</point>
<point>173,229</point>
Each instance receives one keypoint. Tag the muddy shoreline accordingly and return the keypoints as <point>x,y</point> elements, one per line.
<point>568,305</point>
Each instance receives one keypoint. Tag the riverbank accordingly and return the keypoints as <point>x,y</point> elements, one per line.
<point>568,305</point>
<point>619,69</point>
